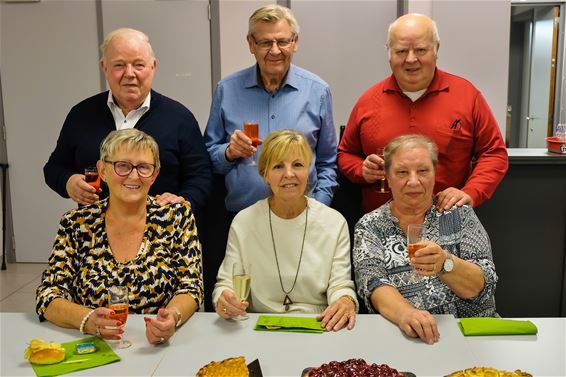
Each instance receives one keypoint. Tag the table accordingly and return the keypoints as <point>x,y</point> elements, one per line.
<point>207,337</point>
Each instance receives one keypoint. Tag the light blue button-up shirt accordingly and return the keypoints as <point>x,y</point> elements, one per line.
<point>303,103</point>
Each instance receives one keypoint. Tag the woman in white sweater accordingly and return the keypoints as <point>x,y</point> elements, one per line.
<point>299,248</point>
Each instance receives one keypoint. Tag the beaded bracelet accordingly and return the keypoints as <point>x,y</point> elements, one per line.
<point>83,322</point>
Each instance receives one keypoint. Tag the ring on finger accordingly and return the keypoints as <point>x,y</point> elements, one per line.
<point>97,330</point>
<point>161,340</point>
<point>224,310</point>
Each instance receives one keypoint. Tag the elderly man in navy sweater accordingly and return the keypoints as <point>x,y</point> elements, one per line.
<point>129,64</point>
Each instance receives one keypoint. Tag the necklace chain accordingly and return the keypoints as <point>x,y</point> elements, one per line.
<point>287,300</point>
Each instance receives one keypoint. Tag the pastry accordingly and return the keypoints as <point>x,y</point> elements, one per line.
<point>488,372</point>
<point>234,367</point>
<point>41,352</point>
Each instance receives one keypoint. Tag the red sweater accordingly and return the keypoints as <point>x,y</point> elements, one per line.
<point>452,112</point>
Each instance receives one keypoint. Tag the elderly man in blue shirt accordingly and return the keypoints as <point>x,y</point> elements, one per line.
<point>277,95</point>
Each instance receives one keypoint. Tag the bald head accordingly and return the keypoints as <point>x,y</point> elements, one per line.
<point>412,44</point>
<point>413,22</point>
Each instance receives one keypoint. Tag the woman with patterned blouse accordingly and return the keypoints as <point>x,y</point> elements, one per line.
<point>126,239</point>
<point>455,269</point>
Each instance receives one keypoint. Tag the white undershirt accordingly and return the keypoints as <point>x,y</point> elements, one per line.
<point>415,95</point>
<point>129,121</point>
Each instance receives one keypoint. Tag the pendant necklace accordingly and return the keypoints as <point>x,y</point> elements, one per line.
<point>287,302</point>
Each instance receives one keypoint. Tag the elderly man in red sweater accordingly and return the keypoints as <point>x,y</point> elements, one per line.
<point>420,98</point>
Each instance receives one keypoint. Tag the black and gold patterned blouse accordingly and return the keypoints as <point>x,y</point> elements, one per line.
<point>81,266</point>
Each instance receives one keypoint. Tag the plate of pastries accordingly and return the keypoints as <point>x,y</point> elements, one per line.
<point>488,372</point>
<point>354,368</point>
<point>233,367</point>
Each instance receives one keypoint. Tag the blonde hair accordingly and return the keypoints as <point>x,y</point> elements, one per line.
<point>272,14</point>
<point>121,31</point>
<point>129,139</point>
<point>279,145</point>
<point>411,141</point>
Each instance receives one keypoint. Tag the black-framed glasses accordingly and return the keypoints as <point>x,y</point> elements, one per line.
<point>267,44</point>
<point>124,168</point>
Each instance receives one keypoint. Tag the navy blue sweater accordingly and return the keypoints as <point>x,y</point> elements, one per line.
<point>185,163</point>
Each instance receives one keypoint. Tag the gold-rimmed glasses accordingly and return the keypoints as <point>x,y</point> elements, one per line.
<point>267,44</point>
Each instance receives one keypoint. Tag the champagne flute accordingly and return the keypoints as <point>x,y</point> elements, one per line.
<point>241,282</point>
<point>92,177</point>
<point>251,129</point>
<point>118,302</point>
<point>414,243</point>
<point>382,186</point>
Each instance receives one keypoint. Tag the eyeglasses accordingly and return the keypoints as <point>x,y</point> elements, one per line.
<point>267,44</point>
<point>124,168</point>
<point>403,53</point>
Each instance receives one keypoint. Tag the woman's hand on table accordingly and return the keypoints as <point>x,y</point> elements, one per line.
<point>419,324</point>
<point>342,312</point>
<point>100,324</point>
<point>159,329</point>
<point>229,306</point>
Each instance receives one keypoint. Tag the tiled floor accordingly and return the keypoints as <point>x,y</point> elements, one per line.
<point>17,286</point>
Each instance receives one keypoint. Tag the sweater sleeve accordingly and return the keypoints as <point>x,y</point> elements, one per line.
<point>350,153</point>
<point>196,174</point>
<point>61,163</point>
<point>490,154</point>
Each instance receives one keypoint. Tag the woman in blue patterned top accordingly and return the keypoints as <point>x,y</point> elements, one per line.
<point>455,269</point>
<point>125,239</point>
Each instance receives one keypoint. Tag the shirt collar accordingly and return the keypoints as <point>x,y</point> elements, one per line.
<point>253,78</point>
<point>112,104</point>
<point>438,83</point>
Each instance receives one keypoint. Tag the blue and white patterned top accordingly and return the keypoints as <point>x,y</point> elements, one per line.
<point>380,258</point>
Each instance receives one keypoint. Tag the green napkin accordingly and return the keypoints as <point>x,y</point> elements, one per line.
<point>74,361</point>
<point>495,326</point>
<point>289,324</point>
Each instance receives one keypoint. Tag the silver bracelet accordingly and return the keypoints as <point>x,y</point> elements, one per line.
<point>83,322</point>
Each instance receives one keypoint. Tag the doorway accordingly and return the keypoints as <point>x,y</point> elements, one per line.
<point>533,63</point>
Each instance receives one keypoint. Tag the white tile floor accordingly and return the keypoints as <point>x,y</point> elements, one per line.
<point>17,286</point>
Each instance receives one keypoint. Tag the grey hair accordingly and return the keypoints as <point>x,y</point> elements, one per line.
<point>130,139</point>
<point>114,33</point>
<point>435,35</point>
<point>272,14</point>
<point>410,141</point>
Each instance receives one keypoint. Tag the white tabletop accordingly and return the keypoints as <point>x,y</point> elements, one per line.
<point>543,354</point>
<point>18,329</point>
<point>206,337</point>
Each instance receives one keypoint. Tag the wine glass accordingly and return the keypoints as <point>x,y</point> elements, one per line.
<point>382,186</point>
<point>251,129</point>
<point>414,243</point>
<point>241,282</point>
<point>118,302</point>
<point>92,177</point>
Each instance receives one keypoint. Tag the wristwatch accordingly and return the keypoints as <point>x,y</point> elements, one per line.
<point>448,263</point>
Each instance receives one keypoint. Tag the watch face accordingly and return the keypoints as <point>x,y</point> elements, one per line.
<point>448,265</point>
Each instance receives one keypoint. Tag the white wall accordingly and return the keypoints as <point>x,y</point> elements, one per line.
<point>45,70</point>
<point>344,43</point>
